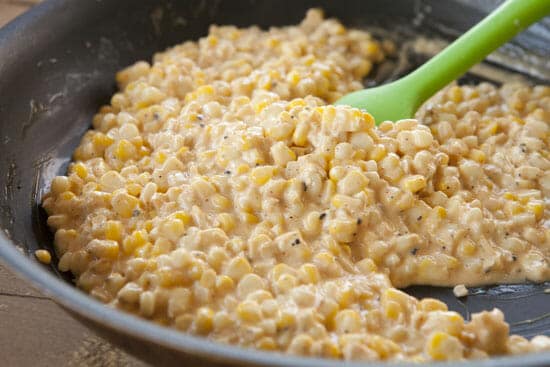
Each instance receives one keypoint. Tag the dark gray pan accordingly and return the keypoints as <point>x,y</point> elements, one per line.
<point>57,66</point>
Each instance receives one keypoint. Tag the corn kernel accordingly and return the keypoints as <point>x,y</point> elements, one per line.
<point>101,140</point>
<point>249,311</point>
<point>124,204</point>
<point>414,183</point>
<point>431,304</point>
<point>309,273</point>
<point>477,155</point>
<point>43,256</point>
<point>80,170</point>
<point>440,212</point>
<point>250,218</point>
<point>260,175</point>
<point>343,230</point>
<point>378,153</point>
<point>113,230</point>
<point>392,310</point>
<point>204,320</point>
<point>125,150</point>
<point>67,195</point>
<point>467,248</point>
<point>537,208</point>
<point>220,202</point>
<point>442,346</point>
<point>266,343</point>
<point>510,196</point>
<point>134,241</point>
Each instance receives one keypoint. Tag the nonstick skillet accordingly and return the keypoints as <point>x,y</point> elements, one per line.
<point>57,66</point>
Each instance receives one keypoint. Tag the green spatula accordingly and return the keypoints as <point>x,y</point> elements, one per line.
<point>402,98</point>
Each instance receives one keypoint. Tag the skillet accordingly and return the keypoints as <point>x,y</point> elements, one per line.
<point>57,66</point>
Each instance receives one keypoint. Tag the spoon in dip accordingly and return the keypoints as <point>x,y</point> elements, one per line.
<point>402,98</point>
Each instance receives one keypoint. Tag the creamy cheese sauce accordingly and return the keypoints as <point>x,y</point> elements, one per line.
<point>220,193</point>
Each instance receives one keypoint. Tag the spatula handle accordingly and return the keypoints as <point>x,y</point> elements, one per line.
<point>500,26</point>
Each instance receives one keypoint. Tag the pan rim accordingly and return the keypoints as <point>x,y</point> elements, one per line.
<point>85,306</point>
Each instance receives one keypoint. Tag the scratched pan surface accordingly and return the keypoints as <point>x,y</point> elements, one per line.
<point>57,67</point>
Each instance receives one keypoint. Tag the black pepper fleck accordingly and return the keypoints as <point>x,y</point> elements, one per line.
<point>304,186</point>
<point>414,251</point>
<point>419,217</point>
<point>359,221</point>
<point>514,258</point>
<point>322,216</point>
<point>227,172</point>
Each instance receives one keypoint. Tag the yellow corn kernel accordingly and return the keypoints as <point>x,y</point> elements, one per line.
<point>110,250</point>
<point>298,102</point>
<point>237,268</point>
<point>250,218</point>
<point>353,183</point>
<point>293,78</point>
<point>442,346</point>
<point>148,225</point>
<point>518,120</point>
<point>113,230</point>
<point>67,195</point>
<point>266,343</point>
<point>224,284</point>
<point>392,310</point>
<point>281,269</point>
<point>133,189</point>
<point>337,173</point>
<point>338,201</point>
<point>125,150</point>
<point>345,297</point>
<point>259,107</point>
<point>124,204</point>
<point>260,175</point>
<point>467,248</point>
<point>160,157</point>
<point>101,140</point>
<point>347,321</point>
<point>324,259</point>
<point>242,168</point>
<point>440,211</point>
<point>106,249</point>
<point>285,320</point>
<point>343,230</point>
<point>537,208</point>
<point>249,311</point>
<point>204,320</point>
<point>80,170</point>
<point>431,304</point>
<point>366,266</point>
<point>309,273</point>
<point>184,217</point>
<point>134,241</point>
<point>414,183</point>
<point>477,155</point>
<point>455,94</point>
<point>299,138</point>
<point>491,129</point>
<point>378,153</point>
<point>383,346</point>
<point>226,222</point>
<point>220,202</point>
<point>510,196</point>
<point>372,48</point>
<point>205,90</point>
<point>43,256</point>
<point>514,208</point>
